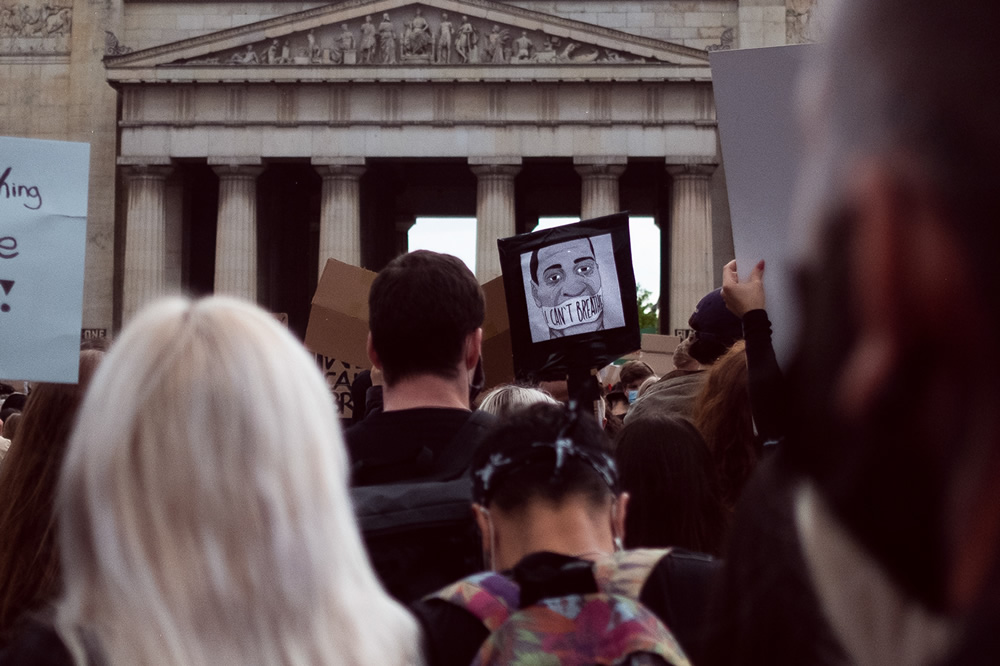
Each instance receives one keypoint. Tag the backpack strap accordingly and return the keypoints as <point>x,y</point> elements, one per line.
<point>625,573</point>
<point>489,596</point>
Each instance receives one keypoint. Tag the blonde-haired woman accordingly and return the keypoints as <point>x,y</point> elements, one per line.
<point>203,505</point>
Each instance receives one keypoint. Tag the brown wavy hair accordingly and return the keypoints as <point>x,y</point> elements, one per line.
<point>29,555</point>
<point>722,414</point>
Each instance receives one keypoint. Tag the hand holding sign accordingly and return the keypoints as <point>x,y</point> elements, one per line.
<point>43,234</point>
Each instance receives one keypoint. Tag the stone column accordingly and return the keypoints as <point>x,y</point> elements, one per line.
<point>600,186</point>
<point>403,225</point>
<point>236,234</point>
<point>340,212</point>
<point>145,236</point>
<point>494,213</point>
<point>690,239</point>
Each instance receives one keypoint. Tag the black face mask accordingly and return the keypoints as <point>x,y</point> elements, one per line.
<point>882,475</point>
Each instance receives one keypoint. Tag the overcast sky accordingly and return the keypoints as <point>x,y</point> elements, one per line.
<point>457,236</point>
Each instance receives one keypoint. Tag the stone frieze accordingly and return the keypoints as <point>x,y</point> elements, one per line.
<point>417,35</point>
<point>30,29</point>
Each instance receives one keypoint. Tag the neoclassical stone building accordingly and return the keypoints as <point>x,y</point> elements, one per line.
<point>237,145</point>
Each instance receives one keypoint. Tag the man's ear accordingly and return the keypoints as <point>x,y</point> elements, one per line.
<point>372,354</point>
<point>534,294</point>
<point>473,348</point>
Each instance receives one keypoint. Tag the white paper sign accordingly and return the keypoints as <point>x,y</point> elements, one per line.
<point>43,236</point>
<point>761,145</point>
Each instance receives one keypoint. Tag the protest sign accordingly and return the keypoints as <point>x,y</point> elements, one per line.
<point>755,92</point>
<point>338,320</point>
<point>498,357</point>
<point>571,297</point>
<point>43,236</point>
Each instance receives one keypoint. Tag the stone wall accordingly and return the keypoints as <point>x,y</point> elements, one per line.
<point>153,23</point>
<point>54,88</point>
<point>699,24</point>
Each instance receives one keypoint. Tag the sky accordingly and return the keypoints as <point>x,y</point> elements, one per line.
<point>457,236</point>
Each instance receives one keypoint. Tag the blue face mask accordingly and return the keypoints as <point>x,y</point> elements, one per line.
<point>632,396</point>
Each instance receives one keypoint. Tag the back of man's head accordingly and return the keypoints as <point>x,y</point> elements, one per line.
<point>421,309</point>
<point>545,453</point>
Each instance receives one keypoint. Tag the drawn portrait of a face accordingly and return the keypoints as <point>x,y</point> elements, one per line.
<point>566,287</point>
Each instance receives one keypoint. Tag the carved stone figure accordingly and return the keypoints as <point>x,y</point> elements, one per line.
<point>420,35</point>
<point>404,39</point>
<point>524,48</point>
<point>248,57</point>
<point>346,39</point>
<point>495,45</point>
<point>314,50</point>
<point>387,41</point>
<point>272,53</point>
<point>444,39</point>
<point>367,41</point>
<point>286,54</point>
<point>31,21</point>
<point>59,21</point>
<point>547,53</point>
<point>466,43</point>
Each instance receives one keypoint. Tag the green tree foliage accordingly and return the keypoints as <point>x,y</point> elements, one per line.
<point>649,311</point>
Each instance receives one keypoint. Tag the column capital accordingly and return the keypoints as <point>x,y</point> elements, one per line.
<point>704,169</point>
<point>500,171</point>
<point>339,170</point>
<point>599,170</point>
<point>147,170</point>
<point>237,170</point>
<point>144,160</point>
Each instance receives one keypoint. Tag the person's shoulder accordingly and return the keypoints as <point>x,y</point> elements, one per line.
<point>36,642</point>
<point>452,634</point>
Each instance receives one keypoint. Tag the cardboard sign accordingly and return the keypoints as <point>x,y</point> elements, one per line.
<point>571,296</point>
<point>43,237</point>
<point>338,324</point>
<point>340,378</point>
<point>338,320</point>
<point>498,356</point>
<point>755,91</point>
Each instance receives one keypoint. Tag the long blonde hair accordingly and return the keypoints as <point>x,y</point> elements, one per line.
<point>204,509</point>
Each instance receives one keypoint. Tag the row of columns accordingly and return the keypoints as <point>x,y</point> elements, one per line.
<point>691,273</point>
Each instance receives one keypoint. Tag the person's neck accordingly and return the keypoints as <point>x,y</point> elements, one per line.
<point>569,529</point>
<point>419,391</point>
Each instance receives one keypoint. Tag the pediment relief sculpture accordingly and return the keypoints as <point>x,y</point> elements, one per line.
<point>30,28</point>
<point>417,35</point>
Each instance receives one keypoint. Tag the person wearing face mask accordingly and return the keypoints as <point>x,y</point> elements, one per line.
<point>551,515</point>
<point>633,374</point>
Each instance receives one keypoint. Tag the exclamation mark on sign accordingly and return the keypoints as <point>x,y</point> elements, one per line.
<point>7,286</point>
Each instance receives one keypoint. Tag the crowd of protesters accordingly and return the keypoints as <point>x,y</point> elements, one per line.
<point>194,500</point>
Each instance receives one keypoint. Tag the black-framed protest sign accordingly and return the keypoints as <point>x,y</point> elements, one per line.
<point>571,296</point>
